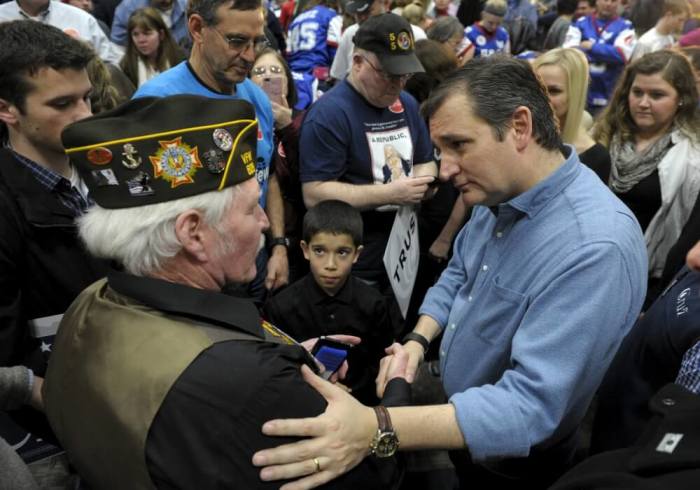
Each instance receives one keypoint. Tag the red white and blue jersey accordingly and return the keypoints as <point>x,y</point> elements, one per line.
<point>310,42</point>
<point>614,41</point>
<point>483,42</point>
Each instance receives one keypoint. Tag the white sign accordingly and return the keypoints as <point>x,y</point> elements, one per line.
<point>402,255</point>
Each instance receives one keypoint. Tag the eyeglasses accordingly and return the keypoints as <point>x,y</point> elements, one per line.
<point>386,76</point>
<point>261,70</point>
<point>240,43</point>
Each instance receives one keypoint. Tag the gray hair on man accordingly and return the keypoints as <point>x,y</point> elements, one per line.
<point>143,238</point>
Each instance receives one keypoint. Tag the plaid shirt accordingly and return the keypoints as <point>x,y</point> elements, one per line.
<point>689,374</point>
<point>57,184</point>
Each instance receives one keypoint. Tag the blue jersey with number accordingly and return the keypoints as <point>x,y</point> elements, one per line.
<point>485,43</point>
<point>307,40</point>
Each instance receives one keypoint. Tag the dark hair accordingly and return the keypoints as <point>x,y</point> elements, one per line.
<point>169,53</point>
<point>676,70</point>
<point>438,60</point>
<point>336,217</point>
<point>566,7</point>
<point>292,96</point>
<point>444,28</point>
<point>693,54</point>
<point>206,9</point>
<point>29,46</point>
<point>496,86</point>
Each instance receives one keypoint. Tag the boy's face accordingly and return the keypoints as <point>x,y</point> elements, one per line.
<point>330,259</point>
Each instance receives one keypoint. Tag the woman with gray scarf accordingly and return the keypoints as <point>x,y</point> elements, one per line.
<point>651,128</point>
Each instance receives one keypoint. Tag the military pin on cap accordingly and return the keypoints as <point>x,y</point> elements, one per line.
<point>223,139</point>
<point>214,160</point>
<point>99,156</point>
<point>131,157</point>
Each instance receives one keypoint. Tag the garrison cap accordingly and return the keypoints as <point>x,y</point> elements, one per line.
<point>158,149</point>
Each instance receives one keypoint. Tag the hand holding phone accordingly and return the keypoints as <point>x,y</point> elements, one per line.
<point>274,88</point>
<point>331,353</point>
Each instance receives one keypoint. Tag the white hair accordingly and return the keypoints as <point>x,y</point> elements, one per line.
<point>142,238</point>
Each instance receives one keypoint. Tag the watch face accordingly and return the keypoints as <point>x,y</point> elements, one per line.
<point>387,444</point>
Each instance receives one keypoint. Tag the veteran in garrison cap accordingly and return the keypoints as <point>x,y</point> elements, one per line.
<point>157,379</point>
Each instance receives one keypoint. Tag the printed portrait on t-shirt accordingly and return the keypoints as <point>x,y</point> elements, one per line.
<point>391,152</point>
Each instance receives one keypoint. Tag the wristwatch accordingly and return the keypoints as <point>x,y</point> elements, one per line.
<point>280,240</point>
<point>385,442</point>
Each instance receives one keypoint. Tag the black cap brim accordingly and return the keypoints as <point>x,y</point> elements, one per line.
<point>400,64</point>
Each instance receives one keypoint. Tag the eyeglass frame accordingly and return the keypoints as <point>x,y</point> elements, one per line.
<point>257,43</point>
<point>387,76</point>
<point>264,72</point>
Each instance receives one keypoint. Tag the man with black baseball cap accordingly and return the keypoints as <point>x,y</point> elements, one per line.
<point>364,142</point>
<point>361,10</point>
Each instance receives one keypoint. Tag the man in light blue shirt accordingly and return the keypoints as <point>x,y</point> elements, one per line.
<point>225,35</point>
<point>545,281</point>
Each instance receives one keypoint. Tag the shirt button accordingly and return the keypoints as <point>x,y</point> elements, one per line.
<point>332,316</point>
<point>469,298</point>
<point>499,234</point>
<point>485,268</point>
<point>452,327</point>
<point>442,353</point>
<point>669,402</point>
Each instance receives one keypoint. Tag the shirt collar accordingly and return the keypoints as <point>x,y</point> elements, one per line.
<point>42,15</point>
<point>534,199</point>
<point>318,295</point>
<point>47,177</point>
<point>198,304</point>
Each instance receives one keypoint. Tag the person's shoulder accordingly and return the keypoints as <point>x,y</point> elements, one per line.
<point>127,6</point>
<point>170,82</point>
<point>249,91</point>
<point>290,296</point>
<point>333,104</point>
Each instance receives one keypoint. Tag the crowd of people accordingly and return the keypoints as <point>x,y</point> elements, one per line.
<point>497,201</point>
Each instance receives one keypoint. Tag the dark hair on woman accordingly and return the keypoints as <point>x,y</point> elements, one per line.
<point>675,69</point>
<point>169,53</point>
<point>291,88</point>
<point>495,87</point>
<point>438,60</point>
<point>334,217</point>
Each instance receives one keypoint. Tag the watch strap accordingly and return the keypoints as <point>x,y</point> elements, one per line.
<point>417,338</point>
<point>383,419</point>
<point>280,240</point>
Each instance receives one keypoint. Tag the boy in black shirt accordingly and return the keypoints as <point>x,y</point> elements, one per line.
<point>330,301</point>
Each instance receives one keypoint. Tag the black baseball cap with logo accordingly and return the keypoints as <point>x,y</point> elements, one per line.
<point>390,38</point>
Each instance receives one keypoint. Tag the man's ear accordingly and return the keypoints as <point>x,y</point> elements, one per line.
<point>305,249</point>
<point>358,251</point>
<point>521,125</point>
<point>195,24</point>
<point>8,112</point>
<point>191,232</point>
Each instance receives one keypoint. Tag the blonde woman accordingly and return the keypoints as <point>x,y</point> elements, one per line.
<point>564,72</point>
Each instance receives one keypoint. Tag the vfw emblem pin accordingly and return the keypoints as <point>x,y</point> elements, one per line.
<point>175,162</point>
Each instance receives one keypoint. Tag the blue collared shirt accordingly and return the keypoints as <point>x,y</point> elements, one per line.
<point>534,304</point>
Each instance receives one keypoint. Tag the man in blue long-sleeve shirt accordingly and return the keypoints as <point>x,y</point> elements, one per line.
<point>545,280</point>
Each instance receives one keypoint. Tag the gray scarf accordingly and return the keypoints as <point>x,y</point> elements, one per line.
<point>629,167</point>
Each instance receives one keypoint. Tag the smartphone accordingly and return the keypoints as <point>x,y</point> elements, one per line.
<point>273,87</point>
<point>331,354</point>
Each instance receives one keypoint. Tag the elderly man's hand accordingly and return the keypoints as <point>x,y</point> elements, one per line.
<point>402,361</point>
<point>339,440</point>
<point>308,344</point>
<point>410,190</point>
<point>277,269</point>
<point>394,365</point>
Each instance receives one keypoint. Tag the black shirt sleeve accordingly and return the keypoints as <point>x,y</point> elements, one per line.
<point>209,425</point>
